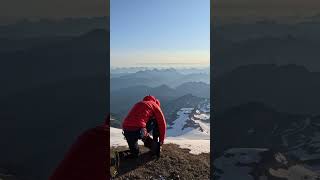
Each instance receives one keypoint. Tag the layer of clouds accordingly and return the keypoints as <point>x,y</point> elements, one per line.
<point>138,57</point>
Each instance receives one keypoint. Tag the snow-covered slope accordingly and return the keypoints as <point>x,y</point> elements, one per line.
<point>192,123</point>
<point>116,137</point>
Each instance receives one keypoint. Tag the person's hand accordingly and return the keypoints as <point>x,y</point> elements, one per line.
<point>161,143</point>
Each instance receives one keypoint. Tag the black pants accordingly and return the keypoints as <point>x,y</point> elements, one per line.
<point>132,137</point>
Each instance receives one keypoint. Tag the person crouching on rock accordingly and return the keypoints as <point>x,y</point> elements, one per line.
<point>144,117</point>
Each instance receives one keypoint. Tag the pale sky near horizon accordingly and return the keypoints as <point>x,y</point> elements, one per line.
<point>144,32</point>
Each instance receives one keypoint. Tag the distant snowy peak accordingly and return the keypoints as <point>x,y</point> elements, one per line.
<point>192,122</point>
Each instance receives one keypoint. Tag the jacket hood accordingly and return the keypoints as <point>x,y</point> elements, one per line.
<point>152,98</point>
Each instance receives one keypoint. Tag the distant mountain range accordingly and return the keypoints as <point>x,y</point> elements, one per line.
<point>52,60</point>
<point>45,28</point>
<point>238,44</point>
<point>157,77</point>
<point>120,71</point>
<point>287,88</point>
<point>123,99</point>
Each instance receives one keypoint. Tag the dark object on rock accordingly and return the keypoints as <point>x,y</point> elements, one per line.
<point>148,141</point>
<point>155,149</point>
<point>153,145</point>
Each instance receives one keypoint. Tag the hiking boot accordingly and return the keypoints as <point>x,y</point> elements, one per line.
<point>124,154</point>
<point>131,156</point>
<point>156,148</point>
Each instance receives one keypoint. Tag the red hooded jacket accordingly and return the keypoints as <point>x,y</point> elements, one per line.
<point>142,112</point>
<point>88,158</point>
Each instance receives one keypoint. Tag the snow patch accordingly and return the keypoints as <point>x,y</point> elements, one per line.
<point>196,146</point>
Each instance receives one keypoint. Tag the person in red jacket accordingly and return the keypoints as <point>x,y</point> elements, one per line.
<point>144,117</point>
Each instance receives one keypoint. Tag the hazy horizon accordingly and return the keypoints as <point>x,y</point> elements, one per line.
<point>164,66</point>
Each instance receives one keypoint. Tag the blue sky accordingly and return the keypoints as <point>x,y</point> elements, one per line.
<point>159,32</point>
